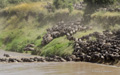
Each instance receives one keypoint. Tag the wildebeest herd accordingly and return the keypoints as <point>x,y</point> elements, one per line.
<point>63,29</point>
<point>105,48</point>
<point>96,47</point>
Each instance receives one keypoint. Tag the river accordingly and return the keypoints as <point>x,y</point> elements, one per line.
<point>68,68</point>
<point>53,68</point>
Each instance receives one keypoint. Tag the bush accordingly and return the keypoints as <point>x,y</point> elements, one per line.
<point>15,1</point>
<point>70,7</point>
<point>63,3</point>
<point>58,4</point>
<point>3,3</point>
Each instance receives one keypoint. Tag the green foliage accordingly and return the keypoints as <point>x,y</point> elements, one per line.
<point>59,46</point>
<point>18,32</point>
<point>106,19</point>
<point>100,1</point>
<point>4,3</point>
<point>84,33</point>
<point>70,7</point>
<point>18,1</point>
<point>58,3</point>
<point>64,4</point>
<point>15,1</point>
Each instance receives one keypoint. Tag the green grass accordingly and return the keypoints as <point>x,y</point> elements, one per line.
<point>106,19</point>
<point>15,38</point>
<point>60,46</point>
<point>115,27</point>
<point>16,32</point>
<point>83,33</point>
<point>104,14</point>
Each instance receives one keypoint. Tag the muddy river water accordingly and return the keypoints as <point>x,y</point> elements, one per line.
<point>71,68</point>
<point>53,68</point>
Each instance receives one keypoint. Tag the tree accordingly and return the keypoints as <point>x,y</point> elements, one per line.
<point>58,3</point>
<point>92,6</point>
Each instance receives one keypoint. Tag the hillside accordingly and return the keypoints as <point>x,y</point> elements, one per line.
<point>26,23</point>
<point>55,31</point>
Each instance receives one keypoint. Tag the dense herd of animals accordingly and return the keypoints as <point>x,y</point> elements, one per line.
<point>79,6</point>
<point>62,29</point>
<point>96,47</point>
<point>105,48</point>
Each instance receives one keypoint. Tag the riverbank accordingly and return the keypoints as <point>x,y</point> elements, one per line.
<point>59,36</point>
<point>27,58</point>
<point>21,24</point>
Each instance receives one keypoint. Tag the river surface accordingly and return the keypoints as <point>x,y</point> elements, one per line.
<point>47,68</point>
<point>70,68</point>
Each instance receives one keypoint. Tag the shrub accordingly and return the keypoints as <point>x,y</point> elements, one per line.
<point>58,3</point>
<point>15,1</point>
<point>3,3</point>
<point>70,7</point>
<point>64,4</point>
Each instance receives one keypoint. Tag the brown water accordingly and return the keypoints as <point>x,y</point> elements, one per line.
<point>70,68</point>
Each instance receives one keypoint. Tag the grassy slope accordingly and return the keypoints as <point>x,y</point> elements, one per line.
<point>83,33</point>
<point>59,46</point>
<point>107,19</point>
<point>17,28</point>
